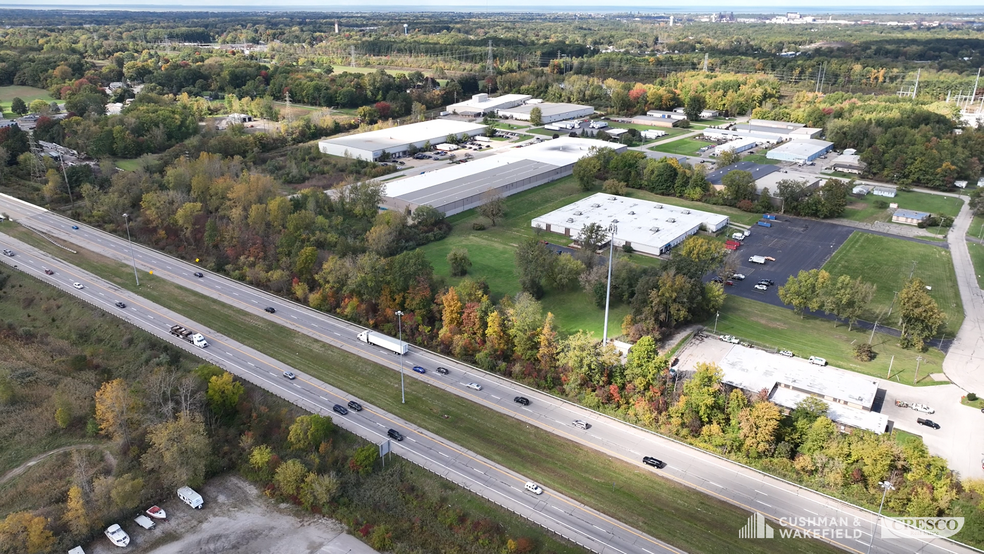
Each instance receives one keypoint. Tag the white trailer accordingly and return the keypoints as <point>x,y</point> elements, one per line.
<point>381,340</point>
<point>757,259</point>
<point>191,498</point>
<point>145,522</point>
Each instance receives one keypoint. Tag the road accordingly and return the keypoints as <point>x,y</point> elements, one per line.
<point>699,470</point>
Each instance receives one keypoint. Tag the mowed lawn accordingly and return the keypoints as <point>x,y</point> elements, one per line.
<point>777,328</point>
<point>683,147</point>
<point>977,257</point>
<point>887,262</point>
<point>864,209</point>
<point>27,94</point>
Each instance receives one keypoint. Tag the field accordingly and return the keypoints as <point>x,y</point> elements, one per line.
<point>778,328</point>
<point>683,147</point>
<point>864,209</point>
<point>977,257</point>
<point>976,229</point>
<point>887,262</point>
<point>660,507</point>
<point>27,94</point>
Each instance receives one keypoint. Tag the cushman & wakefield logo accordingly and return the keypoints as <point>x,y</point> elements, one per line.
<point>850,528</point>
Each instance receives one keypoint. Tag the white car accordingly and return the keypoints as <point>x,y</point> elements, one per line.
<point>117,536</point>
<point>79,286</point>
<point>730,339</point>
<point>786,353</point>
<point>761,287</point>
<point>8,253</point>
<point>817,360</point>
<point>581,424</point>
<point>738,276</point>
<point>922,408</point>
<point>475,386</point>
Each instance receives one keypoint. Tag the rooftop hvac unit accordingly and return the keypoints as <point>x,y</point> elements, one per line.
<point>595,205</point>
<point>570,220</point>
<point>578,213</point>
<point>670,220</point>
<point>654,229</point>
<point>612,198</point>
<point>686,211</point>
<point>659,206</point>
<point>631,213</point>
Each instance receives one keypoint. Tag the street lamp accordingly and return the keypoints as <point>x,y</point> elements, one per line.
<point>608,294</point>
<point>403,392</point>
<point>133,262</point>
<point>716,316</point>
<point>887,486</point>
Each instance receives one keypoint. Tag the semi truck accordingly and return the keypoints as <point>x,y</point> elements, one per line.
<point>381,340</point>
<point>187,334</point>
<point>757,259</point>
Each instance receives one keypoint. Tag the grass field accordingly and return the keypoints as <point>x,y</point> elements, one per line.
<point>775,327</point>
<point>626,492</point>
<point>27,94</point>
<point>887,262</point>
<point>510,126</point>
<point>865,210</point>
<point>977,257</point>
<point>683,147</point>
<point>976,228</point>
<point>128,165</point>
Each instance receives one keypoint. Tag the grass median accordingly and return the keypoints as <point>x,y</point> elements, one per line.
<point>624,491</point>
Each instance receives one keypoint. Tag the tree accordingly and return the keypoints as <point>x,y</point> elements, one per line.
<point>319,490</point>
<point>289,477</point>
<point>701,401</point>
<point>645,365</point>
<point>697,257</point>
<point>18,106</point>
<point>23,532</point>
<point>729,157</point>
<point>759,425</point>
<point>116,410</point>
<point>459,261</point>
<point>526,323</point>
<point>364,459</point>
<point>613,186</point>
<point>547,355</point>
<point>76,515</point>
<point>586,171</point>
<point>565,272</point>
<point>179,452</point>
<point>739,185</point>
<point>807,290</point>
<point>919,315</point>
<point>39,107</point>
<point>669,303</point>
<point>536,117</point>
<point>223,394</point>
<point>534,262</point>
<point>694,106</point>
<point>125,492</point>
<point>493,206</point>
<point>309,431</point>
<point>848,299</point>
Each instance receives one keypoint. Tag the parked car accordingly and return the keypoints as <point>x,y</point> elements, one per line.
<point>760,286</point>
<point>738,276</point>
<point>339,409</point>
<point>522,400</point>
<point>269,310</point>
<point>442,370</point>
<point>474,386</point>
<point>817,360</point>
<point>650,461</point>
<point>928,423</point>
<point>394,434</point>
<point>199,274</point>
<point>786,353</point>
<point>290,375</point>
<point>730,339</point>
<point>922,408</point>
<point>79,286</point>
<point>355,405</point>
<point>580,424</point>
<point>717,280</point>
<point>767,282</point>
<point>419,369</point>
<point>729,283</point>
<point>120,305</point>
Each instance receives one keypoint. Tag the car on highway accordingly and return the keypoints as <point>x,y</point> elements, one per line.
<point>198,274</point>
<point>290,375</point>
<point>339,409</point>
<point>760,286</point>
<point>522,400</point>
<point>79,286</point>
<point>419,369</point>
<point>48,271</point>
<point>120,305</point>
<point>928,423</point>
<point>817,360</point>
<point>442,370</point>
<point>581,424</point>
<point>117,535</point>
<point>355,405</point>
<point>474,386</point>
<point>76,227</point>
<point>8,253</point>
<point>533,487</point>
<point>269,310</point>
<point>786,353</point>
<point>650,461</point>
<point>922,408</point>
<point>394,434</point>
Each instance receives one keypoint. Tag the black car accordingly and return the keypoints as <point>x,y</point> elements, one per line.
<point>120,305</point>
<point>269,310</point>
<point>522,400</point>
<point>717,280</point>
<point>443,370</point>
<point>394,434</point>
<point>199,274</point>
<point>928,423</point>
<point>339,409</point>
<point>650,461</point>
<point>355,405</point>
<point>767,282</point>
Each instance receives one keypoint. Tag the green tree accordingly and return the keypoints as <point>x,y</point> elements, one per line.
<point>304,266</point>
<point>493,206</point>
<point>459,261</point>
<point>309,431</point>
<point>18,106</point>
<point>364,459</point>
<point>125,493</point>
<point>694,106</point>
<point>697,257</point>
<point>759,426</point>
<point>807,290</point>
<point>179,451</point>
<point>586,171</point>
<point>702,401</point>
<point>728,157</point>
<point>739,185</point>
<point>260,457</point>
<point>645,367</point>
<point>319,490</point>
<point>919,315</point>
<point>536,117</point>
<point>525,324</point>
<point>565,272</point>
<point>223,394</point>
<point>848,299</point>
<point>289,477</point>
<point>534,261</point>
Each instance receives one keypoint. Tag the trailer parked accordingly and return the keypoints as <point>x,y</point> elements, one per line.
<point>757,259</point>
<point>764,223</point>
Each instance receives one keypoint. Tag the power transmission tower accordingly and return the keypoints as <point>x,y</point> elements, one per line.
<point>37,165</point>
<point>352,53</point>
<point>489,66</point>
<point>287,108</point>
<point>705,62</point>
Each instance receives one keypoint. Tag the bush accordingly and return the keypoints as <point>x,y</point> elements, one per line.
<point>746,206</point>
<point>863,352</point>
<point>627,248</point>
<point>880,204</point>
<point>971,396</point>
<point>478,226</point>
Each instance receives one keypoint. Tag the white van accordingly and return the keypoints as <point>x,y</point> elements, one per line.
<point>534,488</point>
<point>191,498</point>
<point>817,360</point>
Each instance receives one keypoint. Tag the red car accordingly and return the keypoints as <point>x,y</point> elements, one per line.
<point>729,283</point>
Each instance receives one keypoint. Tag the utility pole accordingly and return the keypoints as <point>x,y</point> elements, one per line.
<point>887,486</point>
<point>716,316</point>
<point>916,87</point>
<point>608,294</point>
<point>705,61</point>
<point>916,379</point>
<point>489,62</point>
<point>126,218</point>
<point>352,53</point>
<point>403,392</point>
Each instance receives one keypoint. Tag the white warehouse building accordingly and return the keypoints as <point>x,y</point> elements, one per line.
<point>738,145</point>
<point>800,151</point>
<point>648,227</point>
<point>481,104</point>
<point>549,112</point>
<point>395,141</point>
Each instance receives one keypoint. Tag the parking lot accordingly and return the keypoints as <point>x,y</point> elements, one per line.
<point>796,244</point>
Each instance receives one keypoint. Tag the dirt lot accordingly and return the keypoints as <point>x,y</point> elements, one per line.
<point>236,518</point>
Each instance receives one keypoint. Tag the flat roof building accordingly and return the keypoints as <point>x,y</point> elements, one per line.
<point>648,227</point>
<point>763,137</point>
<point>481,104</point>
<point>738,145</point>
<point>456,188</point>
<point>757,170</point>
<point>395,141</point>
<point>800,151</point>
<point>549,111</point>
<point>848,163</point>
<point>660,114</point>
<point>771,181</point>
<point>909,217</point>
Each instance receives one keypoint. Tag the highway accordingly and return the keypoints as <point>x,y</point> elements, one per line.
<point>699,470</point>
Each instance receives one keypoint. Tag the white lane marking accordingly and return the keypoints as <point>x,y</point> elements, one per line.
<point>760,492</point>
<point>811,511</point>
<point>496,397</point>
<point>323,398</point>
<point>715,484</point>
<point>763,503</point>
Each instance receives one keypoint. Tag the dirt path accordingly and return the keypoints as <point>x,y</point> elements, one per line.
<point>33,461</point>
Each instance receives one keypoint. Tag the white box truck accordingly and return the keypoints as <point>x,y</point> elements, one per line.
<point>757,259</point>
<point>383,341</point>
<point>191,498</point>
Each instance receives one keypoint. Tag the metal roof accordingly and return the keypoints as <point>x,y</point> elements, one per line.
<point>757,170</point>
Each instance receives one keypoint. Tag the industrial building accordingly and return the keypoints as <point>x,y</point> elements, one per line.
<point>549,111</point>
<point>800,151</point>
<point>741,144</point>
<point>395,141</point>
<point>909,217</point>
<point>848,163</point>
<point>648,227</point>
<point>481,104</point>
<point>456,188</point>
<point>886,192</point>
<point>660,114</point>
<point>651,121</point>
<point>757,170</point>
<point>771,181</point>
<point>849,396</point>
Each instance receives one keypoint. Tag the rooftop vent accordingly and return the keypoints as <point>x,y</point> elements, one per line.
<point>595,205</point>
<point>578,213</point>
<point>670,220</point>
<point>570,220</point>
<point>659,206</point>
<point>613,198</point>
<point>631,213</point>
<point>686,211</point>
<point>654,229</point>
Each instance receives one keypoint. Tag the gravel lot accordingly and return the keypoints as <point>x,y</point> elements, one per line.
<point>236,518</point>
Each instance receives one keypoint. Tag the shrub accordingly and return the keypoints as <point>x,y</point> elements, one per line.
<point>880,204</point>
<point>863,352</point>
<point>478,226</point>
<point>627,248</point>
<point>971,396</point>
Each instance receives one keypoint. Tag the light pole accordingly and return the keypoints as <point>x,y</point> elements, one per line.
<point>916,378</point>
<point>716,316</point>
<point>133,262</point>
<point>887,486</point>
<point>403,392</point>
<point>608,294</point>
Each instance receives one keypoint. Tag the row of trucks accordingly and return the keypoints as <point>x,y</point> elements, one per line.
<point>191,336</point>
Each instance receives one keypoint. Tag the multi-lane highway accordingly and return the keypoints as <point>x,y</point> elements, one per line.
<point>699,470</point>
